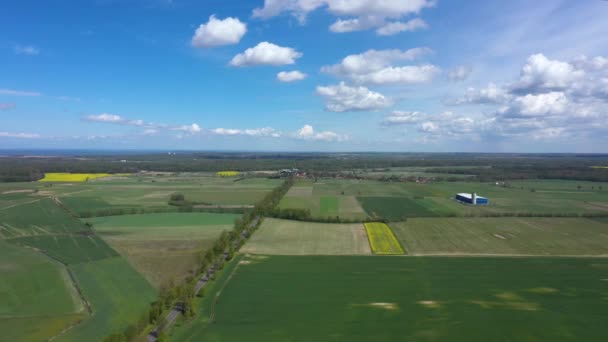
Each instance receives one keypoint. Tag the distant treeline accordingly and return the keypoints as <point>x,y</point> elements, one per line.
<point>484,166</point>
<point>136,211</point>
<point>563,170</point>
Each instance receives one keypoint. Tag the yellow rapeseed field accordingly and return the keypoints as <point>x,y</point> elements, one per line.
<point>228,173</point>
<point>382,239</point>
<point>72,177</point>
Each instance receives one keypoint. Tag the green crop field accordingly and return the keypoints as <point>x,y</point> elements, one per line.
<point>40,217</point>
<point>400,208</point>
<point>358,298</point>
<point>507,235</point>
<point>118,296</point>
<point>329,206</point>
<point>69,249</point>
<point>300,196</point>
<point>162,246</point>
<point>301,238</point>
<point>38,299</point>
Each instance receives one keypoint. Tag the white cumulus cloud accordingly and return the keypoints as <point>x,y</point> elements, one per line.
<point>541,73</point>
<point>266,53</point>
<point>395,27</point>
<point>355,15</point>
<point>218,32</point>
<point>291,76</point>
<point>344,98</point>
<point>307,132</point>
<point>492,94</point>
<point>542,104</point>
<point>192,129</point>
<point>375,66</point>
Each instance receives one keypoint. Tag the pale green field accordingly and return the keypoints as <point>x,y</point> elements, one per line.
<point>165,246</point>
<point>283,237</point>
<point>37,297</point>
<point>508,235</point>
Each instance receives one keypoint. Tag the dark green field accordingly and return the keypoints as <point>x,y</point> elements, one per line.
<point>283,298</point>
<point>400,208</point>
<point>69,249</point>
<point>37,218</point>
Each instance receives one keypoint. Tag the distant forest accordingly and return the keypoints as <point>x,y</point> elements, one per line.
<point>485,167</point>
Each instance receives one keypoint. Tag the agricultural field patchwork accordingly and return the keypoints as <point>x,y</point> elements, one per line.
<point>284,237</point>
<point>37,296</point>
<point>301,196</point>
<point>154,192</point>
<point>396,201</point>
<point>382,239</point>
<point>163,247</point>
<point>507,235</point>
<point>358,298</point>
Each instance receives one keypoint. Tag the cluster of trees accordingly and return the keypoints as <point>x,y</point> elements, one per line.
<point>179,200</point>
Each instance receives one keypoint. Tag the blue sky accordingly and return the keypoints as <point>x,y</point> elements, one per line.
<point>360,75</point>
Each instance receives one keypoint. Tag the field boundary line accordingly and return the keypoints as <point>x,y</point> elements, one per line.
<point>20,204</point>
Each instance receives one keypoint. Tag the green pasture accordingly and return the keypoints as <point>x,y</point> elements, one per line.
<point>505,235</point>
<point>357,298</point>
<point>284,237</point>
<point>118,296</point>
